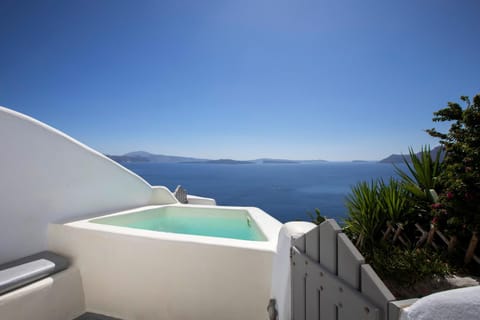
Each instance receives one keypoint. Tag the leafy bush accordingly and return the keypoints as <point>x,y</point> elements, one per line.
<point>316,218</point>
<point>370,206</point>
<point>422,181</point>
<point>423,173</point>
<point>394,201</point>
<point>407,266</point>
<point>364,221</point>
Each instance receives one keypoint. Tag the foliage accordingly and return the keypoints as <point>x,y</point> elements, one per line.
<point>364,220</point>
<point>422,181</point>
<point>394,201</point>
<point>423,173</point>
<point>370,206</point>
<point>407,266</point>
<point>316,218</point>
<point>460,200</point>
<point>444,193</point>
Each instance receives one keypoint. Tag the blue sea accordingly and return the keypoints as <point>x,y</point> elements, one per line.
<point>285,191</point>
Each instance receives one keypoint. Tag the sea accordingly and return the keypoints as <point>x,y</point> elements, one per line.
<point>288,192</point>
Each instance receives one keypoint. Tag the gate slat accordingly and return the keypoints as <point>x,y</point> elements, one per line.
<point>313,294</point>
<point>312,245</point>
<point>374,288</point>
<point>328,244</point>
<point>354,305</point>
<point>299,243</point>
<point>328,294</point>
<point>298,285</point>
<point>349,261</point>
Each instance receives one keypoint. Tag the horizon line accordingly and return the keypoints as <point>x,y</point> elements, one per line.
<point>194,158</point>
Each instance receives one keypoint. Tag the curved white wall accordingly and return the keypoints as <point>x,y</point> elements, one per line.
<point>46,176</point>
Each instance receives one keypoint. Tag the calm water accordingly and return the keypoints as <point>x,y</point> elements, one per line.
<point>234,224</point>
<point>285,191</point>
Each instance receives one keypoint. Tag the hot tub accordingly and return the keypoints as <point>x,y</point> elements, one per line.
<point>211,222</point>
<point>133,270</point>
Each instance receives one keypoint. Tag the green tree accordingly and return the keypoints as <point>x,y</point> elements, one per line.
<point>461,174</point>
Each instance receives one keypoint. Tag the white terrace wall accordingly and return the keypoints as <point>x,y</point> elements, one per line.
<point>46,176</point>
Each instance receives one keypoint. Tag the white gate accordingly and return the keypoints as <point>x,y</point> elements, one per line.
<point>331,281</point>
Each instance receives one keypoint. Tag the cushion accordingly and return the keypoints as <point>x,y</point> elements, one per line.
<point>21,272</point>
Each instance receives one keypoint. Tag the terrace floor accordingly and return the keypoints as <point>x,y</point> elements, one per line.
<point>94,316</point>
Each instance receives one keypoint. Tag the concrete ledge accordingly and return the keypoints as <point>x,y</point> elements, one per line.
<point>161,195</point>
<point>58,297</point>
<point>201,200</point>
<point>396,308</point>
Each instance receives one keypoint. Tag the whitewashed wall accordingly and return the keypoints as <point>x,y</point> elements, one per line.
<point>46,176</point>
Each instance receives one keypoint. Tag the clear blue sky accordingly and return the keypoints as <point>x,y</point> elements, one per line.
<point>326,79</point>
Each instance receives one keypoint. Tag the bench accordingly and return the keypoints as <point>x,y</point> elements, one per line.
<point>43,286</point>
<point>21,272</point>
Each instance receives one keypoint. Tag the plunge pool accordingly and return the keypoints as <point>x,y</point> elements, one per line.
<point>211,222</point>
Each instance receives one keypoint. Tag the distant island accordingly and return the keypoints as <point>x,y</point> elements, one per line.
<point>147,157</point>
<point>277,161</point>
<point>143,156</point>
<point>399,158</point>
<point>221,161</point>
<point>393,158</point>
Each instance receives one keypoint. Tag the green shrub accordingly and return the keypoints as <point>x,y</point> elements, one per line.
<point>316,218</point>
<point>364,221</point>
<point>423,173</point>
<point>395,204</point>
<point>370,206</point>
<point>422,181</point>
<point>406,267</point>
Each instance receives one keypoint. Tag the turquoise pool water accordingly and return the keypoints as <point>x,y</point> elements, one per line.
<point>212,222</point>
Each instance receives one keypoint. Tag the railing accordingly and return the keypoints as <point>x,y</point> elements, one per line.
<point>330,279</point>
<point>434,238</point>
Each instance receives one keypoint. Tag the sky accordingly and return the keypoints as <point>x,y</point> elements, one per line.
<point>327,79</point>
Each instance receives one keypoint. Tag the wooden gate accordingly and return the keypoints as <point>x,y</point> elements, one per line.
<point>331,281</point>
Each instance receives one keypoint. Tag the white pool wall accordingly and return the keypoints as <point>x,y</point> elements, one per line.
<point>142,274</point>
<point>47,176</point>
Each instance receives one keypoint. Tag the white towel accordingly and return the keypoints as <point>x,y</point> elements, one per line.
<point>458,304</point>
